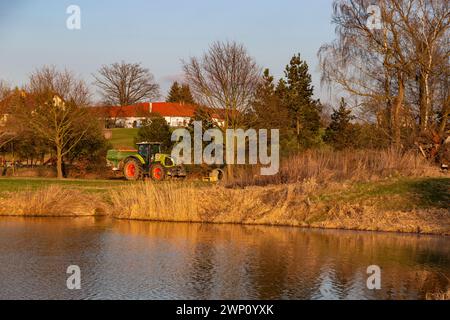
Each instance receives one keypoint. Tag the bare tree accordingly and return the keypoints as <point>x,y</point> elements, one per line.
<point>224,78</point>
<point>126,84</point>
<point>428,28</point>
<point>64,83</point>
<point>54,108</point>
<point>4,90</point>
<point>6,135</point>
<point>382,65</point>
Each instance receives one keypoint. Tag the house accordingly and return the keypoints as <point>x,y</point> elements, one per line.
<point>176,114</point>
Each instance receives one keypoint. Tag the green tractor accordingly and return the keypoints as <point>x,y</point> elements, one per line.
<point>146,161</point>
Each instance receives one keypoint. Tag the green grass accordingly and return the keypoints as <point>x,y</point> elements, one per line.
<point>91,186</point>
<point>399,194</point>
<point>123,137</point>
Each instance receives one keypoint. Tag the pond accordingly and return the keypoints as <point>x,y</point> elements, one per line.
<point>148,260</point>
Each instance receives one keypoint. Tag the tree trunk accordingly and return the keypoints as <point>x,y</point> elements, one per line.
<point>444,122</point>
<point>395,113</point>
<point>424,100</point>
<point>59,160</point>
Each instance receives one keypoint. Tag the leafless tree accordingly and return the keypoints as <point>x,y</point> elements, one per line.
<point>125,84</point>
<point>54,107</point>
<point>224,78</point>
<point>64,83</point>
<point>384,66</point>
<point>4,90</point>
<point>6,135</point>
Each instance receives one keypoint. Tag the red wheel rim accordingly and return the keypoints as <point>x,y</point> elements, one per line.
<point>157,173</point>
<point>131,170</point>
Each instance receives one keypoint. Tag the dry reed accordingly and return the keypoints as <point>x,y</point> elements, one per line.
<point>327,165</point>
<point>51,201</point>
<point>288,205</point>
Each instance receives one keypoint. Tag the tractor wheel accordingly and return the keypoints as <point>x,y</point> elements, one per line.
<point>132,170</point>
<point>157,172</point>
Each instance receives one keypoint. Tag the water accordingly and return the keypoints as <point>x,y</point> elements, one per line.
<point>144,260</point>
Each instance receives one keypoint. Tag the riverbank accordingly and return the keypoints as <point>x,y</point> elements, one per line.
<point>410,205</point>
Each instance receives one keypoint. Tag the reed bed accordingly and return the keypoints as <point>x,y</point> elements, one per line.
<point>316,189</point>
<point>327,165</point>
<point>283,205</point>
<point>443,296</point>
<point>52,201</point>
<point>160,202</point>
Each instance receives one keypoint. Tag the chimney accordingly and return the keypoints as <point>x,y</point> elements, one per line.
<point>150,107</point>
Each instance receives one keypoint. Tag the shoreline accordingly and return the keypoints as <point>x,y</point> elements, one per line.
<point>304,228</point>
<point>393,205</point>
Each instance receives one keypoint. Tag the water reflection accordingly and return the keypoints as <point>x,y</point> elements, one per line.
<point>142,260</point>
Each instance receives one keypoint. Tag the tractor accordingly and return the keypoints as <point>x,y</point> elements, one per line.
<point>146,161</point>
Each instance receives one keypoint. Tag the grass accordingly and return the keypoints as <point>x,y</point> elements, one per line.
<point>360,190</point>
<point>52,201</point>
<point>443,296</point>
<point>371,206</point>
<point>328,165</point>
<point>123,137</point>
<point>398,194</point>
<point>9,185</point>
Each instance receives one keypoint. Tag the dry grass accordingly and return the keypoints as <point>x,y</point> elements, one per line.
<point>439,296</point>
<point>53,201</point>
<point>290,205</point>
<point>327,165</point>
<point>316,189</point>
<point>159,202</point>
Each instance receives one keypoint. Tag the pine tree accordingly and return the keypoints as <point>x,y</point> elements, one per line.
<point>267,106</point>
<point>271,113</point>
<point>180,94</point>
<point>174,93</point>
<point>297,93</point>
<point>156,129</point>
<point>340,133</point>
<point>186,95</point>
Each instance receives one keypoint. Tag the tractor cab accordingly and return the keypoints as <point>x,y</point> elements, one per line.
<point>149,150</point>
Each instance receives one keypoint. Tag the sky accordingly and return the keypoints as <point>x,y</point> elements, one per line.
<point>159,34</point>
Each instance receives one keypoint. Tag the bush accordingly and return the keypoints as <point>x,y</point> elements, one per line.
<point>155,129</point>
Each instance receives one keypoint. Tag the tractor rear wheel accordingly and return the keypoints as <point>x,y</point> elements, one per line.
<point>132,170</point>
<point>158,172</point>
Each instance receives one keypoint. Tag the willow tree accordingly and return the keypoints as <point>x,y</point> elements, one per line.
<point>393,64</point>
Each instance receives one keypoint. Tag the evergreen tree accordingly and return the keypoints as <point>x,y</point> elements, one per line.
<point>341,132</point>
<point>180,94</point>
<point>271,113</point>
<point>155,129</point>
<point>174,93</point>
<point>297,94</point>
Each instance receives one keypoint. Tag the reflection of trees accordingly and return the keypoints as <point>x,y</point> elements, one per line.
<point>221,261</point>
<point>37,252</point>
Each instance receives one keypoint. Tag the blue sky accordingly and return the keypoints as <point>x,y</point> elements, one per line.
<point>158,33</point>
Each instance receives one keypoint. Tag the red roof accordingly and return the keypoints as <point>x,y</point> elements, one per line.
<point>165,109</point>
<point>143,109</point>
<point>173,109</point>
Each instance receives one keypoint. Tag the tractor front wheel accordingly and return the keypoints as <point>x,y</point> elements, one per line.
<point>132,170</point>
<point>157,172</point>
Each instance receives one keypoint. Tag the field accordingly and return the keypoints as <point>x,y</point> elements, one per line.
<point>123,137</point>
<point>9,185</point>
